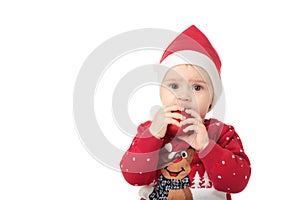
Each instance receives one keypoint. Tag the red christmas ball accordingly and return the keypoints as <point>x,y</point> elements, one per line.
<point>173,130</point>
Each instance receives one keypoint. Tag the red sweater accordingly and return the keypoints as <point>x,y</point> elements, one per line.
<point>218,170</point>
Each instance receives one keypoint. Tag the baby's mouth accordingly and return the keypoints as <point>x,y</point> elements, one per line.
<point>174,174</point>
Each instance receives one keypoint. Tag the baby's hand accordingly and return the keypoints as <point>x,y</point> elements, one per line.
<point>163,118</point>
<point>199,139</point>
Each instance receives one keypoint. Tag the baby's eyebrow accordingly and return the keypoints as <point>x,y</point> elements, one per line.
<point>197,81</point>
<point>172,79</point>
<point>180,80</point>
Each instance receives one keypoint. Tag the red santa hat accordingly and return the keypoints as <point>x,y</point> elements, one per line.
<point>193,47</point>
<point>172,151</point>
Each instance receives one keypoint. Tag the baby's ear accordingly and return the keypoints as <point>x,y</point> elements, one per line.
<point>190,157</point>
<point>209,108</point>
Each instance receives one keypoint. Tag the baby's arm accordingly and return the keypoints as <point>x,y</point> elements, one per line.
<point>225,161</point>
<point>139,163</point>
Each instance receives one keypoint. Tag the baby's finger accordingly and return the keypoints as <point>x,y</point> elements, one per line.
<point>191,128</point>
<point>190,121</point>
<point>175,115</point>
<point>173,108</point>
<point>193,113</point>
<point>172,121</point>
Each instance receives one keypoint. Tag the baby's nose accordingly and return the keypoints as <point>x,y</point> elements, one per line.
<point>184,98</point>
<point>184,94</point>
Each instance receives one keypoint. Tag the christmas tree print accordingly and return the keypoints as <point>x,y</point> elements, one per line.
<point>201,182</point>
<point>196,181</point>
<point>206,182</point>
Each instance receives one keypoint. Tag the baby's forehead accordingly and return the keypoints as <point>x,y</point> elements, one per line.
<point>187,72</point>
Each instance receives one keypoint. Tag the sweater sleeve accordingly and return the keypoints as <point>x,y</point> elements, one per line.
<point>139,163</point>
<point>225,161</point>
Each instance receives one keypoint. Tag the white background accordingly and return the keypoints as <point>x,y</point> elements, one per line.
<point>44,44</point>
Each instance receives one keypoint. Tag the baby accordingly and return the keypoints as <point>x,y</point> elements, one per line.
<point>189,90</point>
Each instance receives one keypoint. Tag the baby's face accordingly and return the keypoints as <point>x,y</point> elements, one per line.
<point>188,86</point>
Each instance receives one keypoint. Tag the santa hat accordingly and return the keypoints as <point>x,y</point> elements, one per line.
<point>193,47</point>
<point>172,151</point>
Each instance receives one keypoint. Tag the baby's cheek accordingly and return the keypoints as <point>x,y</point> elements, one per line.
<point>167,97</point>
<point>204,106</point>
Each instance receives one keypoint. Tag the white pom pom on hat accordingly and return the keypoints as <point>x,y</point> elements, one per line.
<point>193,47</point>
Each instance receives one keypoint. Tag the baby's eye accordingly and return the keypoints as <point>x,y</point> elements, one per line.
<point>197,87</point>
<point>184,154</point>
<point>173,86</point>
